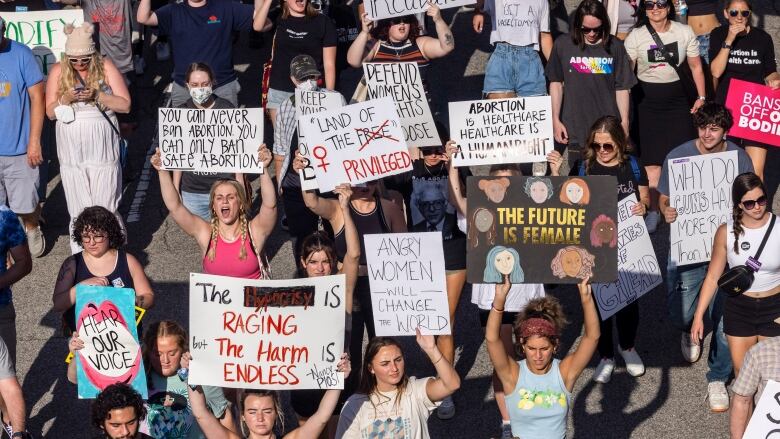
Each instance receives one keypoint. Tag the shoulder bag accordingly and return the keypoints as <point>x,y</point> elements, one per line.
<point>123,145</point>
<point>683,71</point>
<point>738,279</point>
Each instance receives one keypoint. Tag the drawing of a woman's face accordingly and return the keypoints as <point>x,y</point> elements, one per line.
<point>605,231</point>
<point>571,263</point>
<point>483,220</point>
<point>539,192</point>
<point>574,192</point>
<point>504,262</point>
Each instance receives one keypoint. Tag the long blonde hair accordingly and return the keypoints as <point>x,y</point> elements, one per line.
<point>242,210</point>
<point>96,74</point>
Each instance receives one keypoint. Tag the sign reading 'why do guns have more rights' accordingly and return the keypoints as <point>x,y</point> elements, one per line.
<point>42,32</point>
<point>356,143</point>
<point>408,283</point>
<point>516,130</point>
<point>310,102</point>
<point>700,190</point>
<point>401,81</point>
<point>379,9</point>
<point>224,140</point>
<point>267,334</point>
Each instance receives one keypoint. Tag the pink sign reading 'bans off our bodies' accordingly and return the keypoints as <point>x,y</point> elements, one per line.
<point>756,112</point>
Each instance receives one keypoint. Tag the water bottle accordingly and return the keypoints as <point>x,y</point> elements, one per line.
<point>682,11</point>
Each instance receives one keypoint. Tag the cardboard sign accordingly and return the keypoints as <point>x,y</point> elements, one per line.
<point>700,190</point>
<point>542,229</point>
<point>379,9</point>
<point>401,81</point>
<point>516,130</point>
<point>756,111</point>
<point>765,422</point>
<point>223,140</point>
<point>408,283</point>
<point>43,32</point>
<point>638,269</point>
<point>105,321</point>
<point>357,143</point>
<point>267,334</point>
<point>310,102</point>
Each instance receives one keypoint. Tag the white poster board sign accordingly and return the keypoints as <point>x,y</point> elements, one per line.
<point>491,131</point>
<point>43,32</point>
<point>408,283</point>
<point>310,102</point>
<point>765,422</point>
<point>357,143</point>
<point>402,82</point>
<point>700,190</point>
<point>266,334</point>
<point>638,269</point>
<point>379,9</point>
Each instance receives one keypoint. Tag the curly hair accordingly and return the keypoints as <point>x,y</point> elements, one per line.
<point>547,308</point>
<point>381,31</point>
<point>530,181</point>
<point>595,239</point>
<point>98,219</point>
<point>586,270</point>
<point>713,113</point>
<point>116,396</point>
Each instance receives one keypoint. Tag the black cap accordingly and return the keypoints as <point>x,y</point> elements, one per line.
<point>303,67</point>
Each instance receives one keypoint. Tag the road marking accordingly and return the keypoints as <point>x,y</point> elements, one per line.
<point>134,215</point>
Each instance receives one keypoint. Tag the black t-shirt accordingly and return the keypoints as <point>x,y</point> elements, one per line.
<point>296,36</point>
<point>627,183</point>
<point>752,58</point>
<point>201,182</point>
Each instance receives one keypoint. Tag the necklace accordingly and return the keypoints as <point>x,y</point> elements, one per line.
<point>395,48</point>
<point>438,172</point>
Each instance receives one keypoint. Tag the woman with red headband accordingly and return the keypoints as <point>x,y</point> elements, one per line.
<point>538,388</point>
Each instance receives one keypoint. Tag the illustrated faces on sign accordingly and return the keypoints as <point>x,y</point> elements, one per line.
<point>575,191</point>
<point>482,221</point>
<point>495,189</point>
<point>603,231</point>
<point>538,189</point>
<point>573,261</point>
<point>501,263</point>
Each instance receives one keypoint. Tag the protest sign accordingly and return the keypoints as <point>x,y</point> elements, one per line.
<point>43,32</point>
<point>402,82</point>
<point>516,130</point>
<point>756,111</point>
<point>357,143</point>
<point>765,422</point>
<point>224,140</point>
<point>408,283</point>
<point>310,102</point>
<point>105,321</point>
<point>542,229</point>
<point>379,9</point>
<point>700,190</point>
<point>638,269</point>
<point>267,334</point>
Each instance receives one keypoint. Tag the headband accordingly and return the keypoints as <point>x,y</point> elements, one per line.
<point>537,326</point>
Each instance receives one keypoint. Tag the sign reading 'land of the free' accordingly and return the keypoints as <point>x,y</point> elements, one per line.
<point>210,140</point>
<point>542,229</point>
<point>310,102</point>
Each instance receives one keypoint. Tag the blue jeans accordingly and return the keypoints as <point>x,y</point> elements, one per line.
<point>683,285</point>
<point>704,47</point>
<point>198,204</point>
<point>515,69</point>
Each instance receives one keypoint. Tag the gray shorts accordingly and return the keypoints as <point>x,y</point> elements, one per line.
<point>228,91</point>
<point>18,184</point>
<point>8,335</point>
<point>276,97</point>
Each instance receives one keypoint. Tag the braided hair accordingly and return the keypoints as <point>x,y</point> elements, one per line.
<point>243,207</point>
<point>743,184</point>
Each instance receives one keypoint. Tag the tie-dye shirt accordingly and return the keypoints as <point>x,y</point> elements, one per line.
<point>11,235</point>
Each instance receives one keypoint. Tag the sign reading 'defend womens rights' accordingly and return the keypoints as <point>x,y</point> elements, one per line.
<point>356,143</point>
<point>542,229</point>
<point>42,32</point>
<point>266,334</point>
<point>765,421</point>
<point>408,283</point>
<point>402,82</point>
<point>105,321</point>
<point>700,190</point>
<point>638,270</point>
<point>516,130</point>
<point>379,9</point>
<point>756,112</point>
<point>310,102</point>
<point>225,140</point>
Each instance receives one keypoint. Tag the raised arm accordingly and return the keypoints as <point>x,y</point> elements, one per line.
<point>456,194</point>
<point>351,261</point>
<point>261,15</point>
<point>357,51</point>
<point>445,43</point>
<point>264,222</point>
<point>145,15</point>
<point>506,367</point>
<point>319,420</point>
<point>447,380</point>
<point>209,424</point>
<point>329,66</point>
<point>710,284</point>
<point>574,363</point>
<point>75,344</point>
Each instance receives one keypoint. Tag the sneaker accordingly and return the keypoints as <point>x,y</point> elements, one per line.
<point>8,429</point>
<point>718,396</point>
<point>446,409</point>
<point>604,370</point>
<point>139,65</point>
<point>506,431</point>
<point>651,221</point>
<point>36,242</point>
<point>634,364</point>
<point>163,51</point>
<point>691,351</point>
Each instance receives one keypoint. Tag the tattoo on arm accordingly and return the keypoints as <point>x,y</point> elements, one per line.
<point>448,40</point>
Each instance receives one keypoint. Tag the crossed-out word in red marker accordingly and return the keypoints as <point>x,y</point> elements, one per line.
<point>373,135</point>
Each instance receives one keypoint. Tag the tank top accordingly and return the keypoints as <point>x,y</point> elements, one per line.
<point>539,404</point>
<point>768,275</point>
<point>407,51</point>
<point>227,263</point>
<point>365,223</point>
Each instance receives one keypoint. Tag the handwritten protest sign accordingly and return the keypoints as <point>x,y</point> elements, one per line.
<point>43,32</point>
<point>379,9</point>
<point>542,229</point>
<point>310,102</point>
<point>402,82</point>
<point>408,283</point>
<point>356,143</point>
<point>700,190</point>
<point>516,130</point>
<point>765,422</point>
<point>105,321</point>
<point>269,334</point>
<point>756,111</point>
<point>638,269</point>
<point>224,140</point>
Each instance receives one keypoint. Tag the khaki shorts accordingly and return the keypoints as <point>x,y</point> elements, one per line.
<point>18,184</point>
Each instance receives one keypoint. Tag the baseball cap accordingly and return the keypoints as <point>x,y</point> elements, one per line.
<point>303,67</point>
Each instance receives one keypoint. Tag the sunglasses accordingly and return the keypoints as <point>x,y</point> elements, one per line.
<point>586,30</point>
<point>607,147</point>
<point>395,21</point>
<point>432,151</point>
<point>658,4</point>
<point>751,204</point>
<point>734,13</point>
<point>84,60</point>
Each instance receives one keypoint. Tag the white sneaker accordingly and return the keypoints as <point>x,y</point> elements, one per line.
<point>651,221</point>
<point>163,51</point>
<point>634,364</point>
<point>691,351</point>
<point>604,370</point>
<point>718,396</point>
<point>36,242</point>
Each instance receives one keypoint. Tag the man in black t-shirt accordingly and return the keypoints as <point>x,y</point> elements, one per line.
<point>117,412</point>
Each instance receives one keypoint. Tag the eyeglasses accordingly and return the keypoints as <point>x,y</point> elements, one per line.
<point>100,238</point>
<point>83,60</point>
<point>586,30</point>
<point>395,21</point>
<point>751,204</point>
<point>649,6</point>
<point>734,13</point>
<point>607,147</point>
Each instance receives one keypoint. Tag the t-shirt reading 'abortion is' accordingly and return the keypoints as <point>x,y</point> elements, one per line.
<point>751,58</point>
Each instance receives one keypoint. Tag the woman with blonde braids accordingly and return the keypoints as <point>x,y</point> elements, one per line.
<point>87,140</point>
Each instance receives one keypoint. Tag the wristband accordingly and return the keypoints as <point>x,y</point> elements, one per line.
<point>701,98</point>
<point>493,306</point>
<point>726,45</point>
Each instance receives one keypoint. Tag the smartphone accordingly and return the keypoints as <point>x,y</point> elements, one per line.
<point>78,87</point>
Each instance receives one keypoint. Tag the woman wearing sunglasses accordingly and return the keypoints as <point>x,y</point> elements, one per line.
<point>741,51</point>
<point>755,314</point>
<point>77,89</point>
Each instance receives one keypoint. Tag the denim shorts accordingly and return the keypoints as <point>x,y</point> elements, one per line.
<point>515,69</point>
<point>704,47</point>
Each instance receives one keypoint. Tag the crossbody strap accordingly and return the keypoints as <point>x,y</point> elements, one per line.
<point>116,130</point>
<point>662,47</point>
<point>766,237</point>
